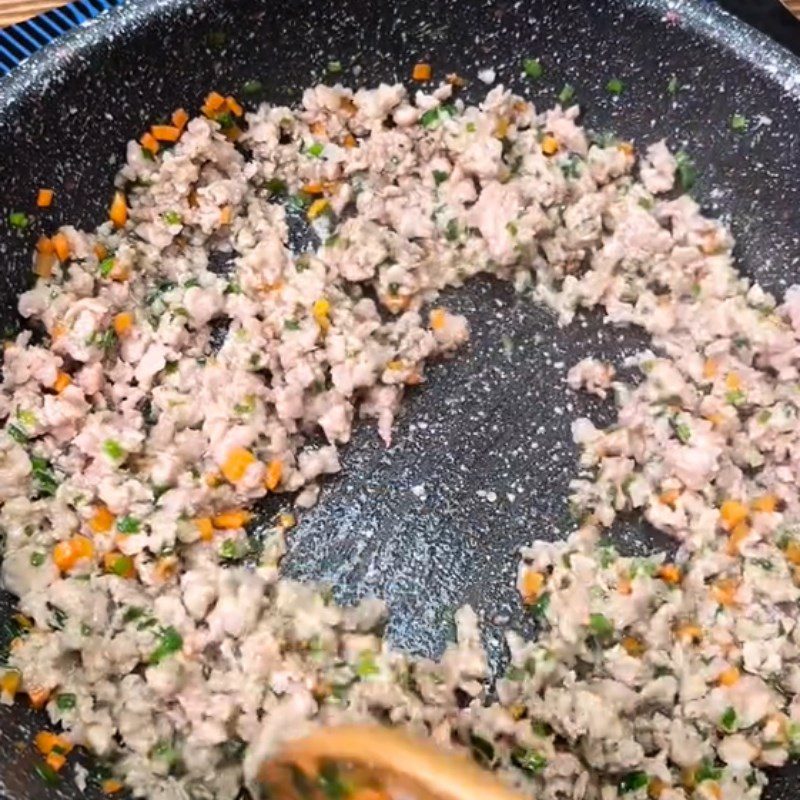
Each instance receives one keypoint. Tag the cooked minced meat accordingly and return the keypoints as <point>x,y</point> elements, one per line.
<point>192,362</point>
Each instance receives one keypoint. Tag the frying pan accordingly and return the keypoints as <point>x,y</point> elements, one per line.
<point>482,455</point>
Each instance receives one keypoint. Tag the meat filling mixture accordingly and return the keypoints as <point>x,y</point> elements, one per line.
<point>187,361</point>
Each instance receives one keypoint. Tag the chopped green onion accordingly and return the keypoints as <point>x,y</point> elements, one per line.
<point>482,750</point>
<point>366,666</point>
<point>229,550</point>
<point>46,773</point>
<point>632,782</point>
<point>728,720</point>
<point>43,476</point>
<point>440,177</point>
<point>291,325</point>
<point>37,559</point>
<point>529,760</point>
<point>686,170</point>
<point>434,117</point>
<point>106,265</point>
<point>252,88</point>
<point>172,218</point>
<point>275,186</point>
<point>128,524</point>
<point>332,784</point>
<point>707,772</point>
<point>114,450</point>
<point>147,155</point>
<point>673,87</point>
<point>566,94</point>
<point>334,67</point>
<point>735,397</point>
<point>615,86</point>
<point>27,418</point>
<point>170,642</point>
<point>539,608</point>
<point>683,432</point>
<point>533,68</point>
<point>225,120</point>
<point>18,220</point>
<point>65,702</point>
<point>600,625</point>
<point>164,751</point>
<point>315,150</point>
<point>17,434</point>
<point>738,123</point>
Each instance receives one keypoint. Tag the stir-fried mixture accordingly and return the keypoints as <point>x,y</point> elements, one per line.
<point>184,360</point>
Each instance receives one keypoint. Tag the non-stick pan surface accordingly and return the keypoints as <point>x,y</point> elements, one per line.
<point>482,455</point>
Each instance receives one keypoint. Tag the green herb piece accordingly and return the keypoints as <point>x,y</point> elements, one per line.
<point>164,751</point>
<point>170,642</point>
<point>315,150</point>
<point>252,89</point>
<point>172,218</point>
<point>482,750</point>
<point>37,559</point>
<point>686,170</point>
<point>276,186</point>
<point>298,202</point>
<point>739,123</point>
<point>451,232</point>
<point>632,782</point>
<point>106,265</point>
<point>17,434</point>
<point>601,626</point>
<point>27,418</point>
<point>440,177</point>
<point>132,614</point>
<point>225,120</point>
<point>533,68</point>
<point>434,117</point>
<point>232,288</point>
<point>114,450</point>
<point>608,555</point>
<point>366,666</point>
<point>65,702</point>
<point>105,340</point>
<point>128,524</point>
<point>43,477</point>
<point>291,325</point>
<point>334,67</point>
<point>764,416</point>
<point>539,608</point>
<point>707,772</point>
<point>683,432</point>
<point>46,773</point>
<point>728,721</point>
<point>18,220</point>
<point>331,782</point>
<point>541,728</point>
<point>229,550</point>
<point>673,87</point>
<point>615,86</point>
<point>735,397</point>
<point>471,127</point>
<point>529,760</point>
<point>566,94</point>
<point>147,155</point>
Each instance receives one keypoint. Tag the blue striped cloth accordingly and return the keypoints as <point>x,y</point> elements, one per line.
<point>20,41</point>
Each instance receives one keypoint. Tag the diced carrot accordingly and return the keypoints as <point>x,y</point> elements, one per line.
<point>44,199</point>
<point>274,474</point>
<point>123,323</point>
<point>531,585</point>
<point>549,145</point>
<point>733,382</point>
<point>59,330</point>
<point>56,761</point>
<point>317,208</point>
<point>213,103</point>
<point>38,696</point>
<point>236,464</point>
<point>710,369</point>
<point>350,141</point>
<point>724,591</point>
<point>321,310</point>
<point>45,245</point>
<point>166,567</point>
<point>421,72</point>
<point>119,272</point>
<point>213,479</point>
<point>205,527</point>
<point>287,521</point>
<point>714,789</point>
<point>47,741</point>
<point>670,573</point>
<point>165,133</point>
<point>501,128</point>
<point>111,786</point>
<point>225,215</point>
<point>100,251</point>
<point>626,148</point>
<point>372,793</point>
<point>729,677</point>
<point>119,564</point>
<point>766,504</point>
<point>10,682</point>
<point>118,213</point>
<point>61,245</point>
<point>633,646</point>
<point>149,143</point>
<point>318,129</point>
<point>314,187</point>
<point>624,585</point>
<point>688,633</point>
<point>43,264</point>
<point>737,537</point>
<point>233,106</point>
<point>792,553</point>
<point>102,520</point>
<point>180,118</point>
<point>716,419</point>
<point>231,520</point>
<point>656,788</point>
<point>670,497</point>
<point>68,553</point>
<point>62,381</point>
<point>437,318</point>
<point>732,512</point>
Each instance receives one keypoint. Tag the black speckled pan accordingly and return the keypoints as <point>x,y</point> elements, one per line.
<point>482,455</point>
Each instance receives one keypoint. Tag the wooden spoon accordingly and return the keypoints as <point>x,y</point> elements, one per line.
<point>793,6</point>
<point>14,11</point>
<point>383,763</point>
